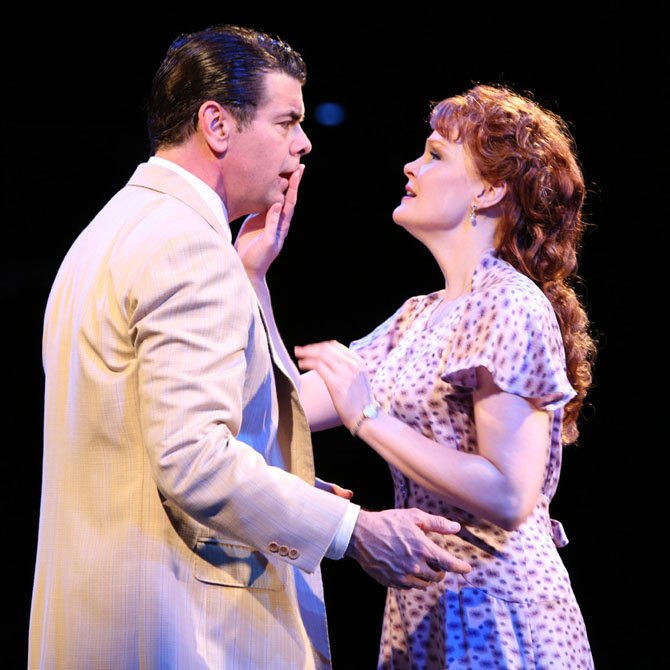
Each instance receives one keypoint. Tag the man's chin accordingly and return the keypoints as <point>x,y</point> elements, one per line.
<point>277,195</point>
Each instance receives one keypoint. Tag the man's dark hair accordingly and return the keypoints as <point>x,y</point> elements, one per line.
<point>224,63</point>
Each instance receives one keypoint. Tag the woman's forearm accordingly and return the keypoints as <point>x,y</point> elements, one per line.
<point>501,483</point>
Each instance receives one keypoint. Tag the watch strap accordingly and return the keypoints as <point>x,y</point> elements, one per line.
<point>370,411</point>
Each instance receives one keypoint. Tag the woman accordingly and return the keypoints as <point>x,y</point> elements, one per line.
<point>470,392</point>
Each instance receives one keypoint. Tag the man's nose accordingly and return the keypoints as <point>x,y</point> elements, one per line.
<point>301,144</point>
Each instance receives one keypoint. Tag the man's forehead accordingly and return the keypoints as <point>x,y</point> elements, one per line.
<point>282,90</point>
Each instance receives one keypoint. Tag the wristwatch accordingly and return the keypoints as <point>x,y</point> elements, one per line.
<point>370,411</point>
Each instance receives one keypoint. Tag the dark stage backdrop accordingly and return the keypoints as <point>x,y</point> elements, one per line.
<point>74,131</point>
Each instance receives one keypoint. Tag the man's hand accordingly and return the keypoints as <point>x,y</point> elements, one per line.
<point>392,547</point>
<point>335,489</point>
<point>262,235</point>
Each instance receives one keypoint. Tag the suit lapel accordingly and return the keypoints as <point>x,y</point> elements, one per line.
<point>293,431</point>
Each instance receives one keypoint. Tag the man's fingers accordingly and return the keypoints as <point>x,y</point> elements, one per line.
<point>421,578</point>
<point>342,492</point>
<point>434,570</point>
<point>431,523</point>
<point>448,563</point>
<point>291,195</point>
<point>443,561</point>
<point>275,229</point>
<point>436,565</point>
<point>335,489</point>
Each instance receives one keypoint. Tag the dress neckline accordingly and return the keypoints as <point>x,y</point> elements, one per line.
<point>441,311</point>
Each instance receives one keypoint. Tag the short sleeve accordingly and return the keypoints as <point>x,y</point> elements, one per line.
<point>514,334</point>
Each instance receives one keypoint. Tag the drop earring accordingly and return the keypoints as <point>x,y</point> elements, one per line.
<point>473,216</point>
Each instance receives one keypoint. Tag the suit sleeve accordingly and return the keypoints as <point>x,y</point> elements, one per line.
<point>190,319</point>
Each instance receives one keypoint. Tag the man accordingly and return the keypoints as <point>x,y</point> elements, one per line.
<point>180,526</point>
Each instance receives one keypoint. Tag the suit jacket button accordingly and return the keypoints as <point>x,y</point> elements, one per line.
<point>293,554</point>
<point>283,550</point>
<point>273,547</point>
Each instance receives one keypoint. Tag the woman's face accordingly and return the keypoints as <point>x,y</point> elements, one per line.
<point>441,187</point>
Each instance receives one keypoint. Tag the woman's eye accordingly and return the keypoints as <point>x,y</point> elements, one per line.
<point>435,155</point>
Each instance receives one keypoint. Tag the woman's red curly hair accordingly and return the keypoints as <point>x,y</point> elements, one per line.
<point>515,141</point>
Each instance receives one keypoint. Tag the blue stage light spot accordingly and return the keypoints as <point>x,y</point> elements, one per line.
<point>329,113</point>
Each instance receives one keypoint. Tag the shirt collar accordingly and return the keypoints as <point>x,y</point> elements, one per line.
<point>208,194</point>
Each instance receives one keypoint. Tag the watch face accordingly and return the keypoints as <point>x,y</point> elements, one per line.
<point>371,411</point>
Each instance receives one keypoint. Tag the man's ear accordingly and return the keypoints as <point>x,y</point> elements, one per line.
<point>490,195</point>
<point>216,124</point>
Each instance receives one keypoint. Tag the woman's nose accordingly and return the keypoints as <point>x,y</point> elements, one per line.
<point>410,168</point>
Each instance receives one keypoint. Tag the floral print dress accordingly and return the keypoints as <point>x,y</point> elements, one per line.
<point>516,608</point>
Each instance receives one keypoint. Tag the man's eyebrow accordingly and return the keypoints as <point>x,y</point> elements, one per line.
<point>294,115</point>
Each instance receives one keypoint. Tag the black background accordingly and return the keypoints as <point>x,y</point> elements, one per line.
<point>74,131</point>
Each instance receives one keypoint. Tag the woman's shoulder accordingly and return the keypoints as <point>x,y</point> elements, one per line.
<point>413,307</point>
<point>417,303</point>
<point>497,281</point>
<point>509,327</point>
<point>393,327</point>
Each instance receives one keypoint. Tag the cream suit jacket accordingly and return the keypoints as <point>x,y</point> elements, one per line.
<point>172,533</point>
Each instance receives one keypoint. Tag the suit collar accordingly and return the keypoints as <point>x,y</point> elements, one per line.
<point>163,180</point>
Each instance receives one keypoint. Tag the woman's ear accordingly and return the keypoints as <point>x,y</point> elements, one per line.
<point>215,124</point>
<point>490,195</point>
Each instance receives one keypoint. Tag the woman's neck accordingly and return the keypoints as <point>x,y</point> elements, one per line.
<point>458,262</point>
